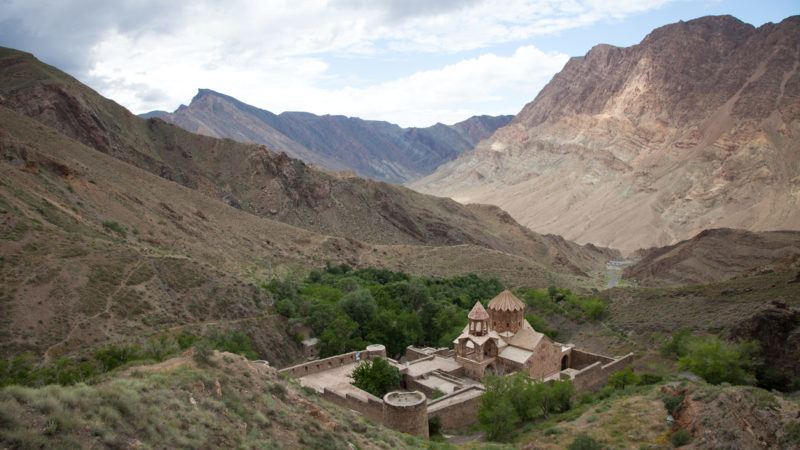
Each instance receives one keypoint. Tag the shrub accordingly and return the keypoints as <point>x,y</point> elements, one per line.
<point>678,344</point>
<point>622,378</point>
<point>114,226</point>
<point>203,350</point>
<point>649,378</point>
<point>717,361</point>
<point>680,438</point>
<point>673,404</point>
<point>593,309</point>
<point>585,442</point>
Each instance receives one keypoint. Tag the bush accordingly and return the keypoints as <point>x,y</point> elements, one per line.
<point>717,361</point>
<point>203,350</point>
<point>114,226</point>
<point>673,404</point>
<point>593,309</point>
<point>649,378</point>
<point>678,344</point>
<point>680,438</point>
<point>585,442</point>
<point>622,378</point>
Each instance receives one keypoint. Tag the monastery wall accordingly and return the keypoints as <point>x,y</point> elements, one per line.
<point>597,374</point>
<point>333,362</point>
<point>580,359</point>
<point>369,406</point>
<point>457,410</point>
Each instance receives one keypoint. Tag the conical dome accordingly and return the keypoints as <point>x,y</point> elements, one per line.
<point>506,301</point>
<point>478,312</point>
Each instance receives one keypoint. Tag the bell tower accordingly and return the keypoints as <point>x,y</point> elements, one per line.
<point>478,320</point>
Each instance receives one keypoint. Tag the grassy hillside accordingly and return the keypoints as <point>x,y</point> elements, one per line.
<point>225,403</point>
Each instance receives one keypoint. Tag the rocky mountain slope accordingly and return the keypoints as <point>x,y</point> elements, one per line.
<point>116,227</point>
<point>696,127</point>
<point>254,179</point>
<point>372,149</point>
<point>716,255</point>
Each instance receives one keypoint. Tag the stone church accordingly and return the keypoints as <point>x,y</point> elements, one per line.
<point>501,341</point>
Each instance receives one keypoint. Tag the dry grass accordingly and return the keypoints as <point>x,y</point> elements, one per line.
<point>178,405</point>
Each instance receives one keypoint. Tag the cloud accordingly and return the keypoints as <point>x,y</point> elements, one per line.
<point>276,54</point>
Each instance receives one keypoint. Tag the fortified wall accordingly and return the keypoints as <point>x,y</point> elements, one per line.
<point>597,373</point>
<point>458,409</point>
<point>333,362</point>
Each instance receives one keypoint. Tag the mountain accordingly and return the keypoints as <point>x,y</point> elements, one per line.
<point>372,149</point>
<point>716,255</point>
<point>113,226</point>
<point>696,127</point>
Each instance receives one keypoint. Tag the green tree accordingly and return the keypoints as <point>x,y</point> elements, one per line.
<point>418,295</point>
<point>717,361</point>
<point>376,377</point>
<point>497,416</point>
<point>622,378</point>
<point>359,305</point>
<point>341,336</point>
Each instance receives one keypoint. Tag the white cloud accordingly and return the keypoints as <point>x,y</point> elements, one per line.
<point>275,54</point>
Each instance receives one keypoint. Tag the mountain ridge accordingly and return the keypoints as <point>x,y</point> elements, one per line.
<point>693,128</point>
<point>370,148</point>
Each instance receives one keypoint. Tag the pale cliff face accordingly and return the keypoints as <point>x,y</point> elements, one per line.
<point>694,128</point>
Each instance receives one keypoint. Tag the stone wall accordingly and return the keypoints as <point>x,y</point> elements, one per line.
<point>320,365</point>
<point>457,410</point>
<point>580,359</point>
<point>597,374</point>
<point>369,405</point>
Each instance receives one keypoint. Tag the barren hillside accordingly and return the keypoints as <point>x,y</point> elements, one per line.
<point>696,127</point>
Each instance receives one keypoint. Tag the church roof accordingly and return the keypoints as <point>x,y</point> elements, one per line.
<point>506,301</point>
<point>478,312</point>
<point>527,339</point>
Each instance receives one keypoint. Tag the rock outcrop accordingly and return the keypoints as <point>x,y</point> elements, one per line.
<point>716,255</point>
<point>696,127</point>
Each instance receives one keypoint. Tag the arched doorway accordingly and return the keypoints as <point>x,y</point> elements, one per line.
<point>565,362</point>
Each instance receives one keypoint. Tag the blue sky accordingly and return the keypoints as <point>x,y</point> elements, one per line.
<point>411,62</point>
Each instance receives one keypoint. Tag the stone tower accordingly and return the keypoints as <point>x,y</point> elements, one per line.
<point>506,312</point>
<point>478,320</point>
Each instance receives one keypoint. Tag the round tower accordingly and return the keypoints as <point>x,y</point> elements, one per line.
<point>377,350</point>
<point>406,412</point>
<point>506,312</point>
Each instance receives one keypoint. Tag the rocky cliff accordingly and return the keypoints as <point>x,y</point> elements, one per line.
<point>696,127</point>
<point>372,149</point>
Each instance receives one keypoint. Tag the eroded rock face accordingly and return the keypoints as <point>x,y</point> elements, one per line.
<point>696,127</point>
<point>732,416</point>
<point>777,330</point>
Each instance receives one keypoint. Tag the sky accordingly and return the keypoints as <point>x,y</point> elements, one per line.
<point>409,62</point>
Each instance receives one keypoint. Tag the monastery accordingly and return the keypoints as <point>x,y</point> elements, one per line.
<point>496,341</point>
